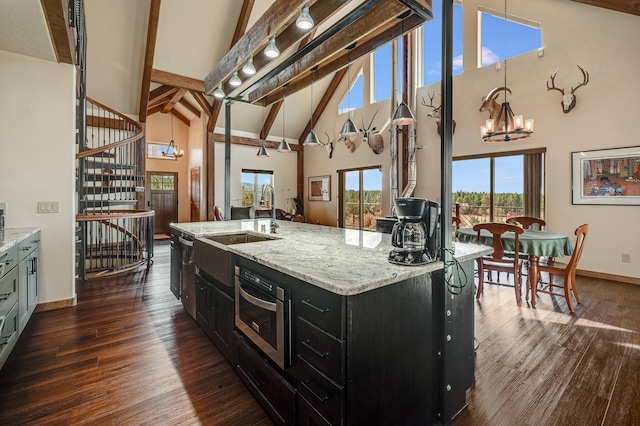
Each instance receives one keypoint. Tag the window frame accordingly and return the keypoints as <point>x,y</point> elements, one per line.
<point>257,187</point>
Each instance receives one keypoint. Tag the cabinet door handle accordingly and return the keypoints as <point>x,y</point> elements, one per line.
<point>312,306</point>
<point>7,340</point>
<point>4,254</point>
<point>2,318</point>
<point>256,379</point>
<point>9,262</point>
<point>4,296</point>
<point>27,248</point>
<point>306,344</point>
<point>317,392</point>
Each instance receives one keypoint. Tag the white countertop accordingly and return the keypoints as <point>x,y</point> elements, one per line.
<point>12,236</point>
<point>343,261</point>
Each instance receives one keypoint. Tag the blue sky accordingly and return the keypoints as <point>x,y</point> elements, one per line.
<point>473,175</point>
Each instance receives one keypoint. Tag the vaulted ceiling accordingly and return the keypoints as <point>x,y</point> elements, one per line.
<point>154,56</point>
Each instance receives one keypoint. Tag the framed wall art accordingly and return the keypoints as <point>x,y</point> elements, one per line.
<point>320,188</point>
<point>606,177</point>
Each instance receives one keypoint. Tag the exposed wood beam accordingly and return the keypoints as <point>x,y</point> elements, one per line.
<point>368,23</point>
<point>176,80</point>
<point>272,21</point>
<point>242,140</point>
<point>190,107</point>
<point>181,117</point>
<point>308,38</point>
<point>174,100</point>
<point>271,117</point>
<point>106,123</point>
<point>342,61</point>
<point>152,32</point>
<point>625,6</point>
<point>155,109</point>
<point>62,36</point>
<point>243,21</point>
<point>202,101</point>
<point>241,28</point>
<point>322,105</point>
<point>161,92</point>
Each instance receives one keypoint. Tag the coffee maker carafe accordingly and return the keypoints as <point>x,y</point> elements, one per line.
<point>416,235</point>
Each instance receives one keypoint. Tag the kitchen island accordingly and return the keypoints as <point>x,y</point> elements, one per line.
<point>364,341</point>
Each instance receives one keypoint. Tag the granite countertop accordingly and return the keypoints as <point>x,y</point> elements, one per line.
<point>12,236</point>
<point>343,261</point>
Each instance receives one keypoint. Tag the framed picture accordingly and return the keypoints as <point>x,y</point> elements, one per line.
<point>606,176</point>
<point>320,188</point>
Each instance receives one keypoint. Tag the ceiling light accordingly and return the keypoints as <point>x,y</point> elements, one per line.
<point>305,21</point>
<point>262,152</point>
<point>403,115</point>
<point>219,93</point>
<point>504,126</point>
<point>272,50</point>
<point>284,145</point>
<point>172,150</point>
<point>312,138</point>
<point>235,80</point>
<point>248,68</point>
<point>349,129</point>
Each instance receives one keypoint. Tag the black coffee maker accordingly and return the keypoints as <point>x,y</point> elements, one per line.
<point>416,235</point>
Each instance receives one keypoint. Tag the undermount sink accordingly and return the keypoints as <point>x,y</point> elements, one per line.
<point>240,238</point>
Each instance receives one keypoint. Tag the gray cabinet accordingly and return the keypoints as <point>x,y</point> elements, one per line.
<point>18,290</point>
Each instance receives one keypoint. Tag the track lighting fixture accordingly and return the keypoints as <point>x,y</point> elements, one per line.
<point>305,21</point>
<point>272,50</point>
<point>235,80</point>
<point>219,93</point>
<point>248,68</point>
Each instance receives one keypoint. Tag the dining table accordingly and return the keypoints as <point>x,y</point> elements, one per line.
<point>534,243</point>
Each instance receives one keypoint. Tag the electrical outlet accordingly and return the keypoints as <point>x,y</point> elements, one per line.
<point>626,258</point>
<point>3,207</point>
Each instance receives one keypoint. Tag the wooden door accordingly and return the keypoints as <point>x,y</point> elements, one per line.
<point>195,194</point>
<point>164,199</point>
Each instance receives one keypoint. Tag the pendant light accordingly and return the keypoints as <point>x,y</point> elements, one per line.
<point>235,80</point>
<point>403,115</point>
<point>262,152</point>
<point>349,129</point>
<point>506,126</point>
<point>305,21</point>
<point>312,138</point>
<point>248,68</point>
<point>284,145</point>
<point>272,50</point>
<point>172,149</point>
<point>219,93</point>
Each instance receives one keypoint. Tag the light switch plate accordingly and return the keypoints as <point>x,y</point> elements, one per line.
<point>48,207</point>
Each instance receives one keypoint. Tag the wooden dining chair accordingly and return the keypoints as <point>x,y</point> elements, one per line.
<point>497,261</point>
<point>526,221</point>
<point>567,271</point>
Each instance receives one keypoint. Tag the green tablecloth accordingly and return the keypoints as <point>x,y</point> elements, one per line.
<point>536,243</point>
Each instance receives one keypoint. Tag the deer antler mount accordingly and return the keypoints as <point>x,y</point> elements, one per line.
<point>569,99</point>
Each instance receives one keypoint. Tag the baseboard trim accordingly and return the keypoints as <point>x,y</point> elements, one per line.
<point>58,304</point>
<point>605,276</point>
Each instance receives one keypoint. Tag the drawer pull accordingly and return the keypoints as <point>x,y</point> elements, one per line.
<point>4,254</point>
<point>322,311</point>
<point>306,344</point>
<point>9,262</point>
<point>7,340</point>
<point>4,297</point>
<point>317,392</point>
<point>2,319</point>
<point>256,379</point>
<point>27,248</point>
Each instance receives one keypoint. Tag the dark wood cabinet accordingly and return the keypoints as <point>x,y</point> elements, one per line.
<point>215,314</point>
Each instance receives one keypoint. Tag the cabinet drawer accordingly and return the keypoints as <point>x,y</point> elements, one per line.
<point>29,244</point>
<point>322,394</point>
<point>8,333</point>
<point>8,260</point>
<point>321,308</point>
<point>321,350</point>
<point>8,291</point>
<point>273,392</point>
<point>308,415</point>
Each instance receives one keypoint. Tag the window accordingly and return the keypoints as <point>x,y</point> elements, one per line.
<point>432,44</point>
<point>361,198</point>
<point>382,73</point>
<point>502,39</point>
<point>354,96</point>
<point>156,150</point>
<point>493,188</point>
<point>162,182</point>
<point>253,182</point>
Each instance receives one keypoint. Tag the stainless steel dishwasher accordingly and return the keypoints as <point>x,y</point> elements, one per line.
<point>188,276</point>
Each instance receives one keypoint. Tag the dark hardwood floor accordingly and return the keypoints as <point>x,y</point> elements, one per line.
<point>128,354</point>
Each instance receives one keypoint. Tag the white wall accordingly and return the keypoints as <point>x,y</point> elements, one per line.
<point>37,141</point>
<point>604,43</point>
<point>283,165</point>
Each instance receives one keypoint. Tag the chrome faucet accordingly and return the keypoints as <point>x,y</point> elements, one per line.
<point>274,225</point>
